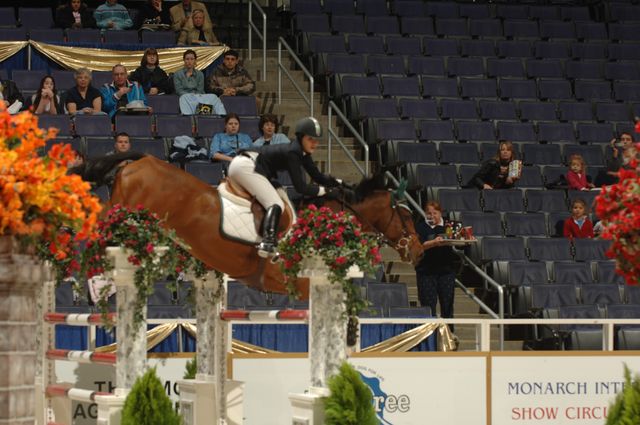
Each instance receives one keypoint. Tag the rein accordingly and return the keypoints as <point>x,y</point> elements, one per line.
<point>402,245</point>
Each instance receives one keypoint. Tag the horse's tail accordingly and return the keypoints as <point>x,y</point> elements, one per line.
<point>97,169</point>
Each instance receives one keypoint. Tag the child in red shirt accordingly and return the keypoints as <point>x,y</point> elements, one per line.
<point>578,225</point>
<point>577,174</point>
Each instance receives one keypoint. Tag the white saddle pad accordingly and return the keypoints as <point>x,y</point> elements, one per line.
<point>236,221</point>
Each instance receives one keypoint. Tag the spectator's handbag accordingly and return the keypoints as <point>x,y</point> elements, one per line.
<point>515,169</point>
<point>204,109</point>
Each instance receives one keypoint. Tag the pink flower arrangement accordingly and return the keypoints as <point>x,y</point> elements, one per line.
<point>618,206</point>
<point>337,238</point>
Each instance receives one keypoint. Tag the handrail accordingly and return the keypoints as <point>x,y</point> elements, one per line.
<point>308,100</point>
<point>262,36</point>
<point>357,136</point>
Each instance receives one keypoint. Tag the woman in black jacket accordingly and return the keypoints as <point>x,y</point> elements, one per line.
<point>150,76</point>
<point>75,15</point>
<point>257,172</point>
<point>494,173</point>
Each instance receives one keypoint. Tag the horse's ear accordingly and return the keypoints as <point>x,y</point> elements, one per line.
<point>399,193</point>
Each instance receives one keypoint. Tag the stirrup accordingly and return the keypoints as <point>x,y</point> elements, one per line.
<point>267,249</point>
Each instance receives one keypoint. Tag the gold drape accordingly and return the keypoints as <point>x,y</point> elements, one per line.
<point>104,59</point>
<point>409,339</point>
<point>154,337</point>
<point>399,343</point>
<point>10,48</point>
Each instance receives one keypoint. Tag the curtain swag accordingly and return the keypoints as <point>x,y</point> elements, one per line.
<point>399,343</point>
<point>72,57</point>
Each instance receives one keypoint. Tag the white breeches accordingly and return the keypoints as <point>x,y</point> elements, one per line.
<point>242,171</point>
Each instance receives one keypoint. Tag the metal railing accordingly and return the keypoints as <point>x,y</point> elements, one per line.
<point>332,133</point>
<point>261,35</point>
<point>282,68</point>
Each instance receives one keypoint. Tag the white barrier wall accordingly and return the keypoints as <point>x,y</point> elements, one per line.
<point>417,388</point>
<point>567,388</point>
<point>408,389</point>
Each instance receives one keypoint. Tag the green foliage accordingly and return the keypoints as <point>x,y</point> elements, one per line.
<point>148,403</point>
<point>625,410</point>
<point>350,402</point>
<point>191,368</point>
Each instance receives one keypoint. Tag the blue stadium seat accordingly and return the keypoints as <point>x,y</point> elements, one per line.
<point>175,125</point>
<point>529,224</point>
<point>436,131</point>
<point>483,223</point>
<point>575,111</point>
<point>460,199</point>
<point>537,111</point>
<point>546,200</point>
<point>538,154</point>
<point>503,200</point>
<point>478,88</point>
<point>572,272</point>
<point>591,249</point>
<point>456,109</point>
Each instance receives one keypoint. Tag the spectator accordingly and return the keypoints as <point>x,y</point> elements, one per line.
<point>83,98</point>
<point>189,85</point>
<point>230,78</point>
<point>150,76</point>
<point>225,146</point>
<point>578,225</point>
<point>494,173</point>
<point>198,33</point>
<point>121,92</point>
<point>268,127</point>
<point>577,174</point>
<point>11,96</point>
<point>152,13</point>
<point>121,143</point>
<point>75,15</point>
<point>435,273</point>
<point>181,14</point>
<point>46,100</point>
<point>112,16</point>
<point>622,153</point>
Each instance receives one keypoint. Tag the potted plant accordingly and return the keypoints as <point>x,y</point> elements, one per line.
<point>625,409</point>
<point>351,401</point>
<point>148,403</point>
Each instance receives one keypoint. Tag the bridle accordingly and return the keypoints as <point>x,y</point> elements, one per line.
<point>402,245</point>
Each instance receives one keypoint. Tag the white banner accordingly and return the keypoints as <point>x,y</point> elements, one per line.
<point>102,378</point>
<point>407,389</point>
<point>568,388</point>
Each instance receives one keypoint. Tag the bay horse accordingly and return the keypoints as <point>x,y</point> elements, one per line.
<point>192,208</point>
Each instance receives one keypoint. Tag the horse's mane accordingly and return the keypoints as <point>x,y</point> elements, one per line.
<point>96,170</point>
<point>368,185</point>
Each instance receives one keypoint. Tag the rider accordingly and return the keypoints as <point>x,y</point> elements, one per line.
<point>257,172</point>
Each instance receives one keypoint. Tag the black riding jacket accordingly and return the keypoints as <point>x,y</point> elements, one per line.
<point>291,158</point>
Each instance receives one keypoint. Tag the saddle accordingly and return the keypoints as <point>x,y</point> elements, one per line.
<point>242,214</point>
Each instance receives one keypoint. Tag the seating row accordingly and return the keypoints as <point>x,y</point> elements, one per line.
<point>504,88</point>
<point>534,155</point>
<point>506,200</point>
<point>92,36</point>
<point>486,109</point>
<point>446,9</point>
<point>518,273</point>
<point>463,27</point>
<point>464,130</point>
<point>147,126</point>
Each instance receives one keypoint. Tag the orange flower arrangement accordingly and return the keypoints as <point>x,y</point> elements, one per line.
<point>37,196</point>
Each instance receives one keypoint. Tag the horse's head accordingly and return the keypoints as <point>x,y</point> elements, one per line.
<point>382,211</point>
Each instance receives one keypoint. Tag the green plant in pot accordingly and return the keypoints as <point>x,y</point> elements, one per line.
<point>351,400</point>
<point>625,410</point>
<point>148,403</point>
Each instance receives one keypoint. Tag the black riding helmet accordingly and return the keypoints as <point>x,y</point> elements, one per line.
<point>308,126</point>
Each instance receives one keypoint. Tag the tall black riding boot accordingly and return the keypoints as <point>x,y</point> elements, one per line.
<point>270,223</point>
